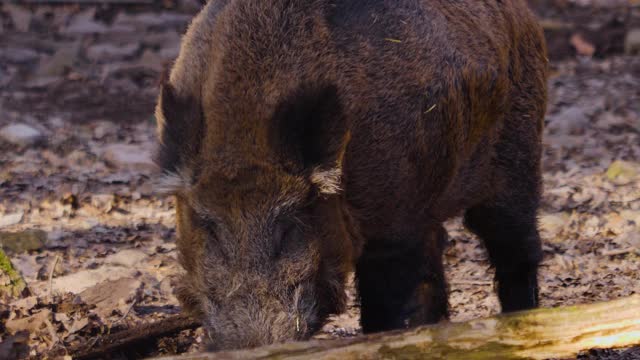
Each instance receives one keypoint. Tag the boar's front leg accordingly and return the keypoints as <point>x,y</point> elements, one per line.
<point>401,281</point>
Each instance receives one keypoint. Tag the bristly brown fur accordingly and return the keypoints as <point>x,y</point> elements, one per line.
<point>307,139</point>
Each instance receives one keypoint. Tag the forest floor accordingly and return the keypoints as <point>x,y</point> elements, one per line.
<point>81,223</point>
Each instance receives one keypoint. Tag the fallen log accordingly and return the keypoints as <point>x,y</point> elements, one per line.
<point>538,334</point>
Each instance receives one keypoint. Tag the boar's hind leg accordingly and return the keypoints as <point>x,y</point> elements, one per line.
<point>508,229</point>
<point>402,285</point>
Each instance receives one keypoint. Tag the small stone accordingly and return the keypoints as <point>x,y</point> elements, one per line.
<point>21,134</point>
<point>632,42</point>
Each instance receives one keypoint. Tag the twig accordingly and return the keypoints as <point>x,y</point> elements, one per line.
<point>126,312</point>
<point>53,268</point>
<point>619,251</point>
<point>133,338</point>
<point>55,340</point>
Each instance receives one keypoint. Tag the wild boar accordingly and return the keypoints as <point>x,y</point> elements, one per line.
<point>307,139</point>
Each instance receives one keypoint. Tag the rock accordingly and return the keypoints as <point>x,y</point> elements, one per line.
<point>16,55</point>
<point>82,280</point>
<point>632,42</point>
<point>21,134</point>
<point>111,295</point>
<point>110,52</point>
<point>23,241</point>
<point>11,219</point>
<point>569,121</point>
<point>129,156</point>
<point>127,258</point>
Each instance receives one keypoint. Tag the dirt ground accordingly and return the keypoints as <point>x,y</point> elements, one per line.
<point>81,224</point>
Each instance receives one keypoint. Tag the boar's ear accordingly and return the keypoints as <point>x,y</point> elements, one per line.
<point>310,135</point>
<point>180,128</point>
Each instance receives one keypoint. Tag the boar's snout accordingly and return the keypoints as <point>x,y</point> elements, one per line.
<point>252,321</point>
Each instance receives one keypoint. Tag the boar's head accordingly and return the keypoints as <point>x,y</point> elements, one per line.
<point>262,233</point>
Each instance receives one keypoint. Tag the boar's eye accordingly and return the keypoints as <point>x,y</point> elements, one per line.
<point>286,235</point>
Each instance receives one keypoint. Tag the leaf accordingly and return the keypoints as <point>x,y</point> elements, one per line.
<point>582,46</point>
<point>622,170</point>
<point>11,219</point>
<point>553,224</point>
